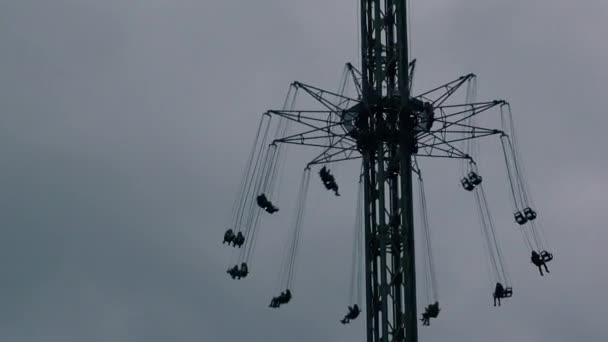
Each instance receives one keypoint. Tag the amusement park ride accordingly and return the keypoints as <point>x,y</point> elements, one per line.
<point>375,117</point>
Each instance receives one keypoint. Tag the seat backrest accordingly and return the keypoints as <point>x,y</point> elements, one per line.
<point>546,256</point>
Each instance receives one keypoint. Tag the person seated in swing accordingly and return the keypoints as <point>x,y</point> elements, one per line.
<point>538,261</point>
<point>353,312</point>
<point>499,292</point>
<point>285,297</point>
<point>239,240</point>
<point>328,180</point>
<point>229,236</point>
<point>262,201</point>
<point>234,271</point>
<point>325,175</point>
<point>265,204</point>
<point>243,272</point>
<point>431,311</point>
<point>274,302</point>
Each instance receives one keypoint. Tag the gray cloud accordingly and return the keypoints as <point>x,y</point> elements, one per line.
<point>126,125</point>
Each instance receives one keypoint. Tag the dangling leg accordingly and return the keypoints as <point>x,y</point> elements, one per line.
<point>546,269</point>
<point>540,270</point>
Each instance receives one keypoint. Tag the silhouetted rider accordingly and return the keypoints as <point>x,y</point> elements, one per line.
<point>431,311</point>
<point>239,240</point>
<point>353,312</point>
<point>538,261</point>
<point>228,236</point>
<point>499,292</point>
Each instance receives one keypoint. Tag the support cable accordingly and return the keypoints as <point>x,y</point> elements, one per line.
<point>240,195</point>
<point>355,293</point>
<point>288,249</point>
<point>268,178</point>
<point>246,195</point>
<point>499,270</point>
<point>300,209</point>
<point>513,158</point>
<point>430,274</point>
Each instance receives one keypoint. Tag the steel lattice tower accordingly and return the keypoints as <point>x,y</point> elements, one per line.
<point>389,231</point>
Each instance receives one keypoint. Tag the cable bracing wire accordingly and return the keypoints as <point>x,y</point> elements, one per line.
<point>508,126</point>
<point>470,146</point>
<point>519,184</point>
<point>266,181</point>
<point>492,234</point>
<point>490,262</point>
<point>253,217</point>
<point>289,248</point>
<point>239,198</point>
<point>245,196</point>
<point>275,176</point>
<point>259,149</point>
<point>256,212</point>
<point>253,182</point>
<point>499,269</point>
<point>491,255</point>
<point>300,210</point>
<point>518,164</point>
<point>354,292</point>
<point>515,195</point>
<point>430,262</point>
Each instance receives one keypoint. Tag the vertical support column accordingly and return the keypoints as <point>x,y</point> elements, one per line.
<point>376,248</point>
<point>370,249</point>
<point>408,263</point>
<point>406,144</point>
<point>390,263</point>
<point>384,243</point>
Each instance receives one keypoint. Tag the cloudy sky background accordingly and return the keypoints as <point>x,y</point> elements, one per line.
<point>126,125</point>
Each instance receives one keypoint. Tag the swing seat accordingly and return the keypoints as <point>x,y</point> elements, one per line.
<point>474,178</point>
<point>466,184</point>
<point>508,292</point>
<point>271,209</point>
<point>546,256</point>
<point>520,218</point>
<point>530,214</point>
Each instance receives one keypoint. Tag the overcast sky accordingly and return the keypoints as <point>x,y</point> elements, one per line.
<point>125,126</point>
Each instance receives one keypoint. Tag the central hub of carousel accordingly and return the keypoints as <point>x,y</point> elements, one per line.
<point>388,120</point>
